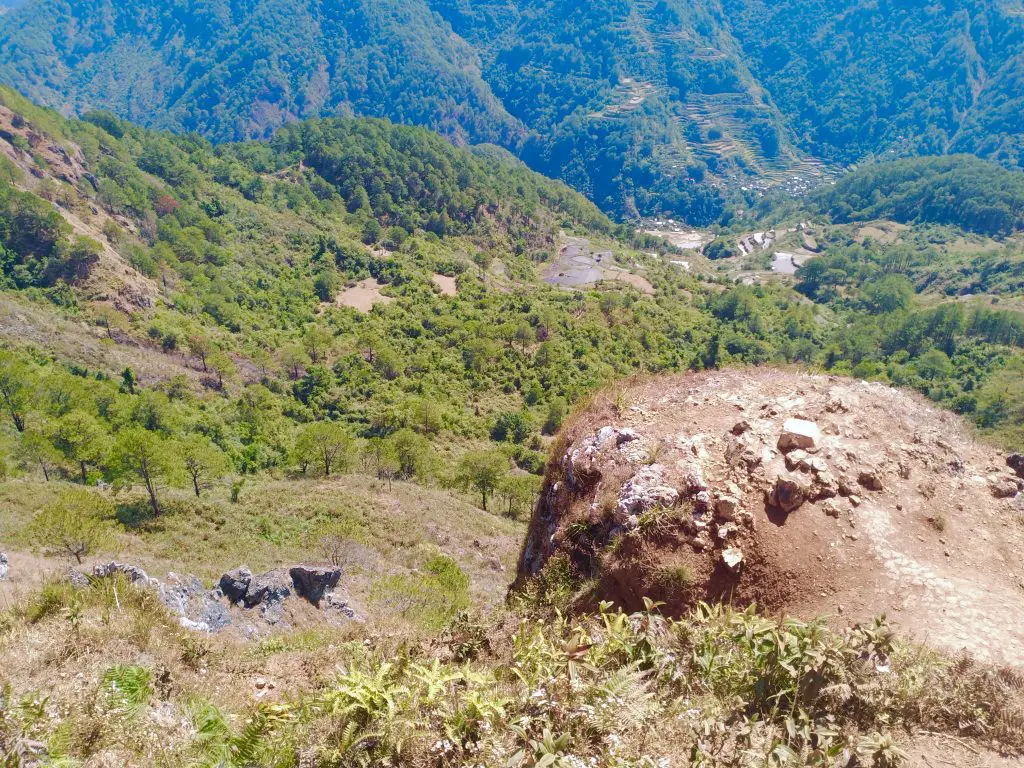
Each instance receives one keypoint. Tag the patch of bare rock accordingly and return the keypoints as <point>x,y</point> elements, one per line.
<point>247,603</point>
<point>805,494</point>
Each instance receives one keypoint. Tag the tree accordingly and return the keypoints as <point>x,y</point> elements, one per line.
<point>519,491</point>
<point>35,449</point>
<point>76,524</point>
<point>200,347</point>
<point>511,426</point>
<point>17,386</point>
<point>293,359</point>
<point>411,452</point>
<point>326,443</point>
<point>139,454</point>
<point>482,471</point>
<point>82,440</point>
<point>316,341</point>
<point>203,461</point>
<point>222,366</point>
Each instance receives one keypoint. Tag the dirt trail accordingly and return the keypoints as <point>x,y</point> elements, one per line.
<point>901,510</point>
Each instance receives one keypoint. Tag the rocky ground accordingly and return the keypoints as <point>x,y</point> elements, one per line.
<point>807,494</point>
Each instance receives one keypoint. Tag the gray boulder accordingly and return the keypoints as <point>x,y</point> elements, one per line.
<point>313,582</point>
<point>76,579</point>
<point>3,566</point>
<point>133,573</point>
<point>267,589</point>
<point>234,584</point>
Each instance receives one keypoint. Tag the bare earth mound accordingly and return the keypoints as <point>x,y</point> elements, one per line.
<point>807,494</point>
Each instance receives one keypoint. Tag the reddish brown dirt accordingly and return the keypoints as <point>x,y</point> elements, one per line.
<point>934,548</point>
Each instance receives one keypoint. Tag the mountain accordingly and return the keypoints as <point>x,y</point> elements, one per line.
<point>649,108</point>
<point>578,95</point>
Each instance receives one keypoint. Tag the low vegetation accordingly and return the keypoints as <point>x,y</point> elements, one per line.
<point>716,688</point>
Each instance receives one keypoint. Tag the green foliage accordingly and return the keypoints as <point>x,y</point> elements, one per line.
<point>482,471</point>
<point>962,190</point>
<point>430,599</point>
<point>143,456</point>
<point>76,525</point>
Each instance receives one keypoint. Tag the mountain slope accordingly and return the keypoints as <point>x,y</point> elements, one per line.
<point>233,72</point>
<point>856,78</point>
<point>649,108</point>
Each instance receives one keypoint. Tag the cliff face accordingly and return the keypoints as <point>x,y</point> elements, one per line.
<point>805,494</point>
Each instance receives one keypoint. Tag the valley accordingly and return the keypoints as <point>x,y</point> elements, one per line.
<point>512,384</point>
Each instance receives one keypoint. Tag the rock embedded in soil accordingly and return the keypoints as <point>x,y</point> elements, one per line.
<point>313,582</point>
<point>234,584</point>
<point>4,567</point>
<point>788,494</point>
<point>799,434</point>
<point>1015,461</point>
<point>1003,487</point>
<point>870,479</point>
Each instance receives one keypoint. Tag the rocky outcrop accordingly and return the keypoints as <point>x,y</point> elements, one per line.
<point>313,582</point>
<point>256,600</point>
<point>789,490</point>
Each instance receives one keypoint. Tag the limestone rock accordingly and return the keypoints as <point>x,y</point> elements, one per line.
<point>799,434</point>
<point>234,584</point>
<point>733,559</point>
<point>76,579</point>
<point>1003,487</point>
<point>313,582</point>
<point>646,490</point>
<point>788,493</point>
<point>133,573</point>
<point>267,590</point>
<point>870,479</point>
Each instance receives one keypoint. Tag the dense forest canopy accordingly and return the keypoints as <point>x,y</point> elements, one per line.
<point>961,189</point>
<point>668,108</point>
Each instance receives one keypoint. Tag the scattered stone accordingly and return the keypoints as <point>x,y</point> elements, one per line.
<point>76,579</point>
<point>4,567</point>
<point>1003,487</point>
<point>870,479</point>
<point>727,507</point>
<point>854,500</point>
<point>799,433</point>
<point>727,530</point>
<point>234,584</point>
<point>740,427</point>
<point>825,486</point>
<point>831,508</point>
<point>788,493</point>
<point>818,466</point>
<point>733,559</point>
<point>1015,461</point>
<point>702,541</point>
<point>135,575</point>
<point>313,582</point>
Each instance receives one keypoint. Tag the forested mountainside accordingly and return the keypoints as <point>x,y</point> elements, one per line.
<point>857,78</point>
<point>648,108</point>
